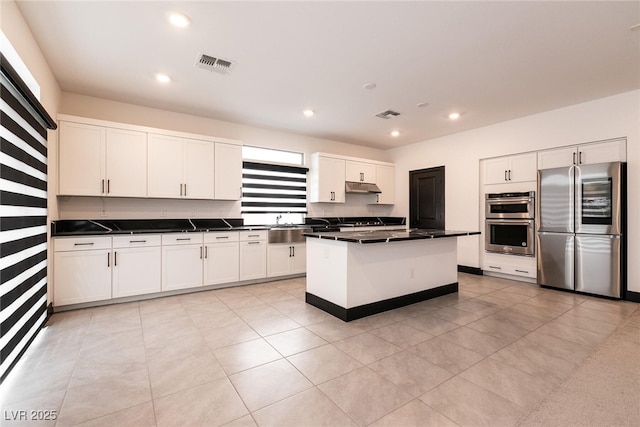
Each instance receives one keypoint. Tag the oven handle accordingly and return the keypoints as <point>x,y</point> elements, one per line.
<point>510,221</point>
<point>510,200</point>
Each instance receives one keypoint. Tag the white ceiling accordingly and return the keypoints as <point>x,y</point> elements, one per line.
<point>492,61</point>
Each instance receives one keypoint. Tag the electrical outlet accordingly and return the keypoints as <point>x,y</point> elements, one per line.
<point>103,212</point>
<point>163,212</point>
<point>411,273</point>
<point>193,212</point>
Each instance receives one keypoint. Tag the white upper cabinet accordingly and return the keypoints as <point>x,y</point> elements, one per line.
<point>360,172</point>
<point>180,168</point>
<point>126,163</point>
<point>597,152</point>
<point>81,159</point>
<point>165,166</point>
<point>518,168</point>
<point>228,171</point>
<point>327,177</point>
<point>198,169</point>
<point>101,161</point>
<point>386,181</point>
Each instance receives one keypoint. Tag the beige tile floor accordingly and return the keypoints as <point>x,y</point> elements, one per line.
<point>258,355</point>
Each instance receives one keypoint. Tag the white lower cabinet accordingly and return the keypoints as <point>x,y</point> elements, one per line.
<point>221,258</point>
<point>82,270</point>
<point>182,255</point>
<point>286,258</point>
<point>136,265</point>
<point>513,265</point>
<point>253,254</point>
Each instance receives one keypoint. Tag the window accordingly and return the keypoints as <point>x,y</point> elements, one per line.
<point>273,192</point>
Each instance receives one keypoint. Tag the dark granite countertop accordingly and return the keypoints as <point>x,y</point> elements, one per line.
<point>364,237</point>
<point>83,227</point>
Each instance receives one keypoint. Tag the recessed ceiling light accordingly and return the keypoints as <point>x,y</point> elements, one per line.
<point>179,19</point>
<point>395,133</point>
<point>422,104</point>
<point>454,116</point>
<point>163,78</point>
<point>369,86</point>
<point>308,113</point>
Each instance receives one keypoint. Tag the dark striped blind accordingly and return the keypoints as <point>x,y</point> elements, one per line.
<point>23,216</point>
<point>271,188</point>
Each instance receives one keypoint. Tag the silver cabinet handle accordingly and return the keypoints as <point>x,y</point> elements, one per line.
<point>115,259</point>
<point>377,198</point>
<point>200,252</point>
<point>222,237</point>
<point>293,250</point>
<point>183,239</point>
<point>579,157</point>
<point>108,186</point>
<point>509,174</point>
<point>253,235</point>
<point>185,189</point>
<point>108,259</point>
<point>505,175</point>
<point>181,189</point>
<point>83,244</point>
<point>574,158</point>
<point>254,243</point>
<point>497,268</point>
<point>102,187</point>
<point>522,271</point>
<point>137,241</point>
<point>206,251</point>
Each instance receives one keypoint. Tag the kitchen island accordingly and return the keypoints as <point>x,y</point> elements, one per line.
<point>356,274</point>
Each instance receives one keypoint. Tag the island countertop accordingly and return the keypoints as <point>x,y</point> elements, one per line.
<point>386,236</point>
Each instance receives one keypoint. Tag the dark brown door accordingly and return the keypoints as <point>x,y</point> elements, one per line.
<point>426,198</point>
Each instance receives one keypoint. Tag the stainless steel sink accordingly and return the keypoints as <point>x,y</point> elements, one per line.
<point>288,234</point>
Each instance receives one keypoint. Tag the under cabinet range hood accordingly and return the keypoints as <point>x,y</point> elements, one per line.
<point>361,187</point>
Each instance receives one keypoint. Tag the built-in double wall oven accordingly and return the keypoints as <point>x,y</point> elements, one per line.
<point>510,223</point>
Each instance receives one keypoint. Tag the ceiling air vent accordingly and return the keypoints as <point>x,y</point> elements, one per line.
<point>387,114</point>
<point>211,63</point>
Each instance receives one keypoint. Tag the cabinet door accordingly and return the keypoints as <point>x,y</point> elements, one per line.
<point>603,152</point>
<point>198,169</point>
<point>360,172</point>
<point>221,263</point>
<point>181,267</point>
<point>279,260</point>
<point>136,271</point>
<point>557,158</point>
<point>299,259</point>
<point>253,260</point>
<point>81,161</point>
<point>164,175</point>
<point>82,276</point>
<point>126,168</point>
<point>228,171</point>
<point>386,181</point>
<point>523,168</point>
<point>496,170</point>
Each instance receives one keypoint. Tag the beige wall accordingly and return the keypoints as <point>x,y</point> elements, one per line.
<point>611,117</point>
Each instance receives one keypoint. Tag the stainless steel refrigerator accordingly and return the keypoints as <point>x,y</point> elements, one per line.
<point>580,228</point>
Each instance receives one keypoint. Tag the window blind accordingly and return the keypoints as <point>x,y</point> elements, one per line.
<point>23,216</point>
<point>271,188</point>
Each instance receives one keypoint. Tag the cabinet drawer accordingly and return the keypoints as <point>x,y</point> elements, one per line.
<point>253,235</point>
<point>136,241</point>
<point>221,237</point>
<point>63,244</point>
<point>510,264</point>
<point>182,239</point>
